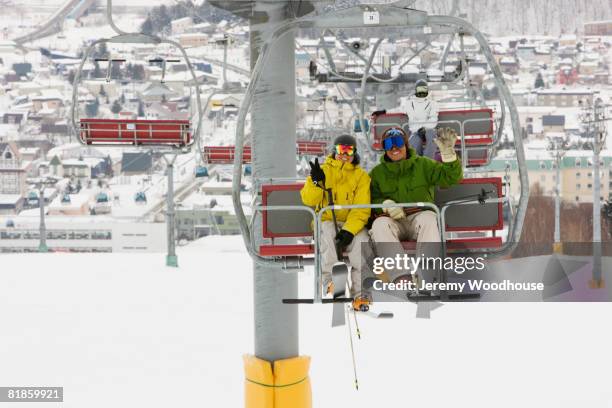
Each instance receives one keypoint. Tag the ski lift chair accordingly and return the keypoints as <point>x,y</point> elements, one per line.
<point>102,198</point>
<point>474,126</point>
<point>32,198</point>
<point>487,191</point>
<point>172,134</point>
<point>140,197</point>
<point>201,171</point>
<point>477,131</point>
<point>225,154</point>
<point>471,208</point>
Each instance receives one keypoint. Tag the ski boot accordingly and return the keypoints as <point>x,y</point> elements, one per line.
<point>361,303</point>
<point>329,288</point>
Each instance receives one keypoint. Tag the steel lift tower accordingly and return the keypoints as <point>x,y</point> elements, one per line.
<point>275,376</point>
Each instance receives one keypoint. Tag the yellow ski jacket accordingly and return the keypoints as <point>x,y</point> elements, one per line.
<point>350,184</point>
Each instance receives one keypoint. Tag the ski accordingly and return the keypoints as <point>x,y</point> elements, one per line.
<point>339,279</point>
<point>377,315</point>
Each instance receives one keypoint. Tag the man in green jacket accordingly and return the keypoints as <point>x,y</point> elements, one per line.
<point>405,177</point>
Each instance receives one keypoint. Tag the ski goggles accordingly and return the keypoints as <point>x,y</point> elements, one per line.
<point>421,90</point>
<point>393,138</point>
<point>349,150</point>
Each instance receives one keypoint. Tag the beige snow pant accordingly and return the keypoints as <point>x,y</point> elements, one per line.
<point>421,226</point>
<point>357,260</point>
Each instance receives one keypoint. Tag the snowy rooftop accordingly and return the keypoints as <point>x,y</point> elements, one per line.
<point>564,90</point>
<point>9,198</point>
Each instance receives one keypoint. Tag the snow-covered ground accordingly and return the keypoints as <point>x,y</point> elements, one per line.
<point>123,330</point>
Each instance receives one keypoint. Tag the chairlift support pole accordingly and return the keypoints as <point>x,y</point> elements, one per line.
<point>171,257</point>
<point>598,130</point>
<point>42,245</point>
<point>557,242</point>
<point>273,124</point>
<point>558,148</point>
<point>225,44</point>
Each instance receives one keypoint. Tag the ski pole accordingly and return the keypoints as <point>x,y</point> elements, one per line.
<point>352,350</point>
<point>330,201</point>
<point>356,324</point>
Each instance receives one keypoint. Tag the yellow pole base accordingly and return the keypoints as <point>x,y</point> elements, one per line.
<point>287,385</point>
<point>557,247</point>
<point>597,284</point>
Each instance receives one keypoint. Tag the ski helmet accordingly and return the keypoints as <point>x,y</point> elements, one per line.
<point>346,140</point>
<point>349,141</point>
<point>421,89</point>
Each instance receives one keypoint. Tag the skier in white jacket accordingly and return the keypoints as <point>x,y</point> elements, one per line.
<point>422,119</point>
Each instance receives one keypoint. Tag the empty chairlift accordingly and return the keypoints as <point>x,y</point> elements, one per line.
<point>225,154</point>
<point>201,171</point>
<point>140,197</point>
<point>163,133</point>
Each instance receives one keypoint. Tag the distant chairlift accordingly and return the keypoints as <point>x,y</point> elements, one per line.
<point>201,171</point>
<point>32,199</point>
<point>102,204</point>
<point>140,198</point>
<point>102,198</point>
<point>225,154</point>
<point>357,126</point>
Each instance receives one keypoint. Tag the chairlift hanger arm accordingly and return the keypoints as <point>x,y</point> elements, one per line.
<point>467,28</point>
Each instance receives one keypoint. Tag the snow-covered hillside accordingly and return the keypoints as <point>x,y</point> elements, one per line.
<point>122,330</point>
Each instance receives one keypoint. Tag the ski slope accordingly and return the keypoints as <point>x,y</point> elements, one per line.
<point>122,330</point>
<point>73,8</point>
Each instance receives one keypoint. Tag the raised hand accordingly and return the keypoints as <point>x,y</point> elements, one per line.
<point>317,175</point>
<point>446,140</point>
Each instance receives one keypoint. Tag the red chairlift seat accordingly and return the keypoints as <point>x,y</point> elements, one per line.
<point>477,124</point>
<point>225,154</point>
<point>470,220</point>
<point>135,132</point>
<point>477,130</point>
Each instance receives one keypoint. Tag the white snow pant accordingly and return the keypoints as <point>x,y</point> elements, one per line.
<point>427,149</point>
<point>357,260</point>
<point>421,226</point>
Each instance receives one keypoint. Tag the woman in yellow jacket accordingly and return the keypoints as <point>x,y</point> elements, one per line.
<point>349,184</point>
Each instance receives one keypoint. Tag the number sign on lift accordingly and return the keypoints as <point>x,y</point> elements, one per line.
<point>371,17</point>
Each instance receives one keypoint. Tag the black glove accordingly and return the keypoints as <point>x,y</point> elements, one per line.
<point>316,173</point>
<point>379,112</point>
<point>422,133</point>
<point>344,238</point>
